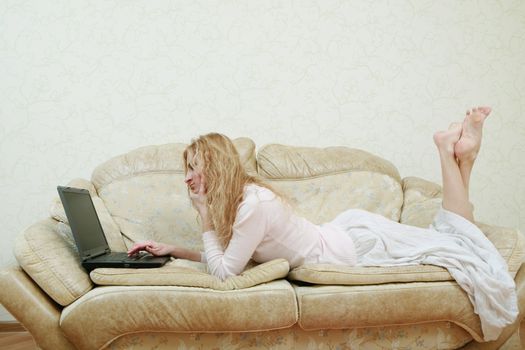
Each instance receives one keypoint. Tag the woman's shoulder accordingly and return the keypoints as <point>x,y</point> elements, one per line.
<point>258,203</point>
<point>257,193</point>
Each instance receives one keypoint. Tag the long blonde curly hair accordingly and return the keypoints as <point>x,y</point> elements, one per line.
<point>225,179</point>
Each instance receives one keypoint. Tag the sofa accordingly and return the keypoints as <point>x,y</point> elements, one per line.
<point>141,195</point>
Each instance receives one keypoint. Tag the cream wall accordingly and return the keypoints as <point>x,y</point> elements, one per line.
<point>82,81</point>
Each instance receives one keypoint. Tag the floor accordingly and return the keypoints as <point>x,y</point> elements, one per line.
<point>24,341</point>
<point>513,343</point>
<point>16,341</point>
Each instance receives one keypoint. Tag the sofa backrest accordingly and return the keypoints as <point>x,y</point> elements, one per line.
<point>144,191</point>
<point>320,183</point>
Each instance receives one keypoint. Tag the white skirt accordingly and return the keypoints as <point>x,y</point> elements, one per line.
<point>452,242</point>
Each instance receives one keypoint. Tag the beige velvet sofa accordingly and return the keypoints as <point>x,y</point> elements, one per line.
<point>141,195</point>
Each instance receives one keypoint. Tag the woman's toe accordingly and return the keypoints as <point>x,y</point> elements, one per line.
<point>485,110</point>
<point>453,126</point>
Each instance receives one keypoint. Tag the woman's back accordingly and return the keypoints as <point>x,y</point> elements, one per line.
<point>266,228</point>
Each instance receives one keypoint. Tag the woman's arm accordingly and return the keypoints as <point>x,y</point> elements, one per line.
<point>161,249</point>
<point>248,231</point>
<point>183,253</point>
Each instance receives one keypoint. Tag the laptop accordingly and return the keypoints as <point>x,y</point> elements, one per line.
<point>90,239</point>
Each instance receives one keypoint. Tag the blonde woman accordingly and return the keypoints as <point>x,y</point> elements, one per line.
<point>243,218</point>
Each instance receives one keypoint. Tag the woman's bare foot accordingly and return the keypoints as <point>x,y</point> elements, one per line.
<point>446,140</point>
<point>467,148</point>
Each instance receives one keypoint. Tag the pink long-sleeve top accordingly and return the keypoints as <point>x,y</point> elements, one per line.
<point>266,228</point>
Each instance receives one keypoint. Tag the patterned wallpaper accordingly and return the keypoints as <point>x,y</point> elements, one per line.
<point>82,81</point>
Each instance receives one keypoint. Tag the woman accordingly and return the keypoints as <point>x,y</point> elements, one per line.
<point>243,218</point>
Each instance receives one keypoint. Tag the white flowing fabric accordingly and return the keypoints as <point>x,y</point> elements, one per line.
<point>451,242</point>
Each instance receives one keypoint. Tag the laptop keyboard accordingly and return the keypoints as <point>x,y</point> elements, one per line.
<point>138,256</point>
<point>123,256</point>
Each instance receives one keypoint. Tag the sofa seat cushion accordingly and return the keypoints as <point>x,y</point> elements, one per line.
<point>106,313</point>
<point>510,244</point>
<point>340,307</point>
<point>191,274</point>
<point>356,275</point>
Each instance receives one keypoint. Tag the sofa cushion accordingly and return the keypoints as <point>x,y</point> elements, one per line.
<point>160,158</point>
<point>321,199</point>
<point>191,274</point>
<point>510,244</point>
<point>290,162</point>
<point>320,183</point>
<point>355,275</point>
<point>111,230</point>
<point>144,191</point>
<point>105,313</point>
<point>421,201</point>
<point>340,307</point>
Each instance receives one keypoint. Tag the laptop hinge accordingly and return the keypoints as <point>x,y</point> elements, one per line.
<point>91,256</point>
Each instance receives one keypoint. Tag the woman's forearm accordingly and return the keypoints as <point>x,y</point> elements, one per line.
<point>182,253</point>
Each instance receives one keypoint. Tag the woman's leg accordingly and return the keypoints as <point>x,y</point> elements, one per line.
<point>458,148</point>
<point>469,143</point>
<point>455,195</point>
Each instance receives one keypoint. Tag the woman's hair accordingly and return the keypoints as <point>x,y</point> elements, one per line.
<point>225,178</point>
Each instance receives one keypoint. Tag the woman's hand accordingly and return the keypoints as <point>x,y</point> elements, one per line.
<point>199,200</point>
<point>160,249</point>
<point>152,247</point>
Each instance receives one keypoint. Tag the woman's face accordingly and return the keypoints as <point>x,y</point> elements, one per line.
<point>194,176</point>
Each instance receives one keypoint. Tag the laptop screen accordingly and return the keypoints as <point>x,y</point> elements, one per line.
<point>83,221</point>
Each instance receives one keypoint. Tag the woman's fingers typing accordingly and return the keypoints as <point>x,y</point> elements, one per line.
<point>137,247</point>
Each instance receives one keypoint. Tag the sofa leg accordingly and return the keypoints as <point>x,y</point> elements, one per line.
<point>33,309</point>
<point>522,334</point>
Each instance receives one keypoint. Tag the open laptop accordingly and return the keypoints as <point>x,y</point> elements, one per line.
<point>90,239</point>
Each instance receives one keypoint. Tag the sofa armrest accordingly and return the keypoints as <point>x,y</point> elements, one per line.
<point>509,242</point>
<point>47,253</point>
<point>33,308</point>
<point>422,199</point>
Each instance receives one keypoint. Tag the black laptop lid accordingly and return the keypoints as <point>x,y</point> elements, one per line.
<point>84,222</point>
